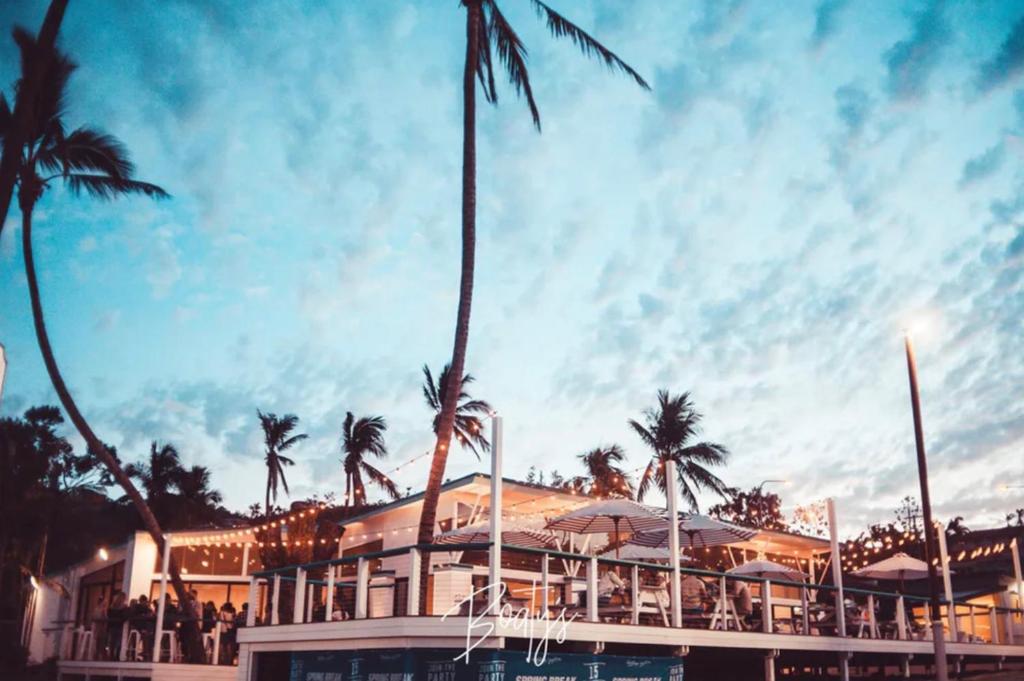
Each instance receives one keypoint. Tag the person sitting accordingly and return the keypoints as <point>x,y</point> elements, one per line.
<point>609,585</point>
<point>742,602</point>
<point>693,594</point>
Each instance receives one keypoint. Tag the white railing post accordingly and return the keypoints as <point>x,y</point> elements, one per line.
<point>413,596</point>
<point>947,583</point>
<point>545,583</point>
<point>216,642</point>
<point>970,614</point>
<point>871,616</point>
<point>162,604</point>
<point>672,494</point>
<point>592,589</point>
<point>329,596</point>
<point>635,583</point>
<point>275,602</point>
<point>766,605</point>
<point>837,567</point>
<point>1009,627</point>
<point>494,562</point>
<point>993,623</point>
<point>901,618</point>
<point>805,606</point>
<point>362,582</point>
<point>250,614</point>
<point>723,603</point>
<point>299,600</point>
<point>123,652</point>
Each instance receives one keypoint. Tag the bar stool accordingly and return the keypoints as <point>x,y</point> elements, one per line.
<point>172,646</point>
<point>208,646</point>
<point>84,643</point>
<point>134,649</point>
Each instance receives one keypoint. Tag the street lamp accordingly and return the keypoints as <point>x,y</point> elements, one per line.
<point>938,635</point>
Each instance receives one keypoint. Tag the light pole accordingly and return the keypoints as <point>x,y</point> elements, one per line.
<point>938,635</point>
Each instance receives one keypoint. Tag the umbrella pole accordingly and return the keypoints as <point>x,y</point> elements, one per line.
<point>616,521</point>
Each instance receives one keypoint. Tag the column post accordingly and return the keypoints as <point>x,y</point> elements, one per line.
<point>672,492</point>
<point>413,604</point>
<point>494,561</point>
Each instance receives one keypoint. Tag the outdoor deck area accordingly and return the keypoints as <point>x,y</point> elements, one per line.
<point>354,602</point>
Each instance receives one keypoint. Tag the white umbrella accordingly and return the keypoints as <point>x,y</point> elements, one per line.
<point>647,553</point>
<point>696,531</point>
<point>766,569</point>
<point>898,567</point>
<point>610,515</point>
<point>515,534</point>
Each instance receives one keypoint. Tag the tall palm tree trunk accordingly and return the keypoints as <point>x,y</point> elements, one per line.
<point>24,106</point>
<point>194,641</point>
<point>451,393</point>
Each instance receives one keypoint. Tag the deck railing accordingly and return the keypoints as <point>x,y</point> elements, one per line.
<point>602,589</point>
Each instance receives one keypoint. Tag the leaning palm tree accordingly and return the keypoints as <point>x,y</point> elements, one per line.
<point>278,438</point>
<point>605,477</point>
<point>669,430</point>
<point>359,439</point>
<point>468,427</point>
<point>487,32</point>
<point>86,161</point>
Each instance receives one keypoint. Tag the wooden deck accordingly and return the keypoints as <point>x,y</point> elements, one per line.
<point>70,670</point>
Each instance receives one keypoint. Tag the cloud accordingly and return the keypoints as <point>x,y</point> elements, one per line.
<point>1007,64</point>
<point>983,165</point>
<point>910,63</point>
<point>853,106</point>
<point>826,21</point>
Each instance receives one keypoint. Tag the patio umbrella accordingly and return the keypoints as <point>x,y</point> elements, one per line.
<point>899,567</point>
<point>515,534</point>
<point>610,515</point>
<point>767,569</point>
<point>646,553</point>
<point>696,531</point>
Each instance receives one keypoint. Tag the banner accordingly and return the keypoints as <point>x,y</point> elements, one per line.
<point>498,665</point>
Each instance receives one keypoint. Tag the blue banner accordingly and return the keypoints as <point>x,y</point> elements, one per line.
<point>498,665</point>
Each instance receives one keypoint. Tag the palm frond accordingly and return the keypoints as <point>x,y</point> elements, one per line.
<point>107,187</point>
<point>5,117</point>
<point>512,54</point>
<point>705,452</point>
<point>90,150</point>
<point>381,480</point>
<point>561,27</point>
<point>484,62</point>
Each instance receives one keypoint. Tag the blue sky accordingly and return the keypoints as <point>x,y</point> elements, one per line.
<point>803,178</point>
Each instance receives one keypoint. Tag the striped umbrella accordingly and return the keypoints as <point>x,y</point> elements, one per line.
<point>515,534</point>
<point>696,531</point>
<point>767,569</point>
<point>611,516</point>
<point>899,567</point>
<point>647,553</point>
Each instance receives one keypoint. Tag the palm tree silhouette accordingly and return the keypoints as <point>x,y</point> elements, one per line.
<point>605,477</point>
<point>198,500</point>
<point>277,438</point>
<point>85,160</point>
<point>360,438</point>
<point>487,30</point>
<point>668,430</point>
<point>468,427</point>
<point>158,476</point>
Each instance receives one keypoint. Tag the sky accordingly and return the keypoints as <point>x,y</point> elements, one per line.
<point>804,181</point>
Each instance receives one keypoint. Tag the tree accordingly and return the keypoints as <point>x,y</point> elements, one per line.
<point>468,427</point>
<point>668,430</point>
<point>98,164</point>
<point>361,438</point>
<point>755,508</point>
<point>277,438</point>
<point>198,501</point>
<point>956,530</point>
<point>487,30</point>
<point>604,476</point>
<point>159,477</point>
<point>908,513</point>
<point>17,123</point>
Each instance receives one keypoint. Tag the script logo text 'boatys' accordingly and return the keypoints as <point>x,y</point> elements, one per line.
<point>539,628</point>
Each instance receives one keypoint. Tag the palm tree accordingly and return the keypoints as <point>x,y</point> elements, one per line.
<point>468,427</point>
<point>90,161</point>
<point>277,437</point>
<point>16,124</point>
<point>159,476</point>
<point>605,476</point>
<point>487,30</point>
<point>359,438</point>
<point>668,430</point>
<point>199,501</point>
